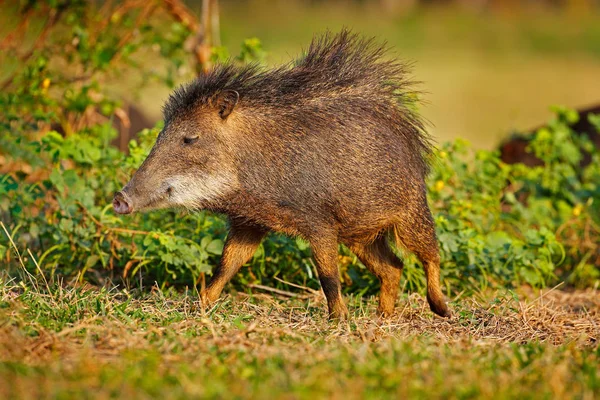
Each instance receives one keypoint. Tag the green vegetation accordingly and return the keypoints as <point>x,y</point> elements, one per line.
<point>499,225</point>
<point>78,318</point>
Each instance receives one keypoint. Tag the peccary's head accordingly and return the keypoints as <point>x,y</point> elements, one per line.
<point>190,164</point>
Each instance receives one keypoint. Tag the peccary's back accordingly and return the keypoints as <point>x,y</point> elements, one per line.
<point>343,158</point>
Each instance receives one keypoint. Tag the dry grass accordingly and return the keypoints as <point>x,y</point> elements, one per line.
<point>88,342</point>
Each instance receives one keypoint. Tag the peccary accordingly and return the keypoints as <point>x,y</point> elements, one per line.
<point>327,148</point>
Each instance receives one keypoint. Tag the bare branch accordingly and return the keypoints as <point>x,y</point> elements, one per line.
<point>52,20</point>
<point>182,14</point>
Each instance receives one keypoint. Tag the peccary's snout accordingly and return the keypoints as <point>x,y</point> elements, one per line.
<point>122,203</point>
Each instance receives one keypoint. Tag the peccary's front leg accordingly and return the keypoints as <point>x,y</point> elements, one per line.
<point>242,241</point>
<point>324,249</point>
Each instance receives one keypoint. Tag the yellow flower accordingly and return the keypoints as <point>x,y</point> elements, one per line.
<point>46,84</point>
<point>443,154</point>
<point>577,210</point>
<point>439,185</point>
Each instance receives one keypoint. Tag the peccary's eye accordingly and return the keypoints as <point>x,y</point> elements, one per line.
<point>190,140</point>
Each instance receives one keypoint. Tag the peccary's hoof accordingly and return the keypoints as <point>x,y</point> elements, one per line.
<point>385,313</point>
<point>339,314</point>
<point>207,299</point>
<point>439,307</point>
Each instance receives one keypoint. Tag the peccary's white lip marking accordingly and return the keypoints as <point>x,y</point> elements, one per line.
<point>196,191</point>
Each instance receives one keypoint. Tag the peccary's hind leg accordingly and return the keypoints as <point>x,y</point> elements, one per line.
<point>379,258</point>
<point>242,241</point>
<point>325,253</point>
<point>417,234</point>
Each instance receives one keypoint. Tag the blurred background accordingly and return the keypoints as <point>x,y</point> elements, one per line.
<point>486,67</point>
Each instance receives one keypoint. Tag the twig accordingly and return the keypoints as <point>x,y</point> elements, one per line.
<point>204,36</point>
<point>146,12</point>
<point>16,249</point>
<point>52,19</point>
<point>130,231</point>
<point>126,124</point>
<point>313,291</point>
<point>41,273</point>
<point>120,10</point>
<point>278,291</point>
<point>543,295</point>
<point>18,31</point>
<point>102,226</point>
<point>182,14</point>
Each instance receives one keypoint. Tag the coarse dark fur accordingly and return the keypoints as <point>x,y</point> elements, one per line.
<point>343,73</point>
<point>327,148</point>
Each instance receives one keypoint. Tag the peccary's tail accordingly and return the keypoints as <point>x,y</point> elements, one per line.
<point>418,236</point>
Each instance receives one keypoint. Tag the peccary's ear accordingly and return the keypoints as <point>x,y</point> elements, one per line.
<point>225,102</point>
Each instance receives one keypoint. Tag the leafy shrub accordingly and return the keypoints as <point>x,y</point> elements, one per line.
<point>487,235</point>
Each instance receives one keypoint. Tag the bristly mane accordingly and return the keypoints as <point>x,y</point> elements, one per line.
<point>343,65</point>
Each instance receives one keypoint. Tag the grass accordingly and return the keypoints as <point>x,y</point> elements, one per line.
<point>89,342</point>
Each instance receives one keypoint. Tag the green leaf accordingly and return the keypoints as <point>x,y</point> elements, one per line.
<point>91,261</point>
<point>498,240</point>
<point>205,241</point>
<point>302,244</point>
<point>56,178</point>
<point>531,276</point>
<point>215,247</point>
